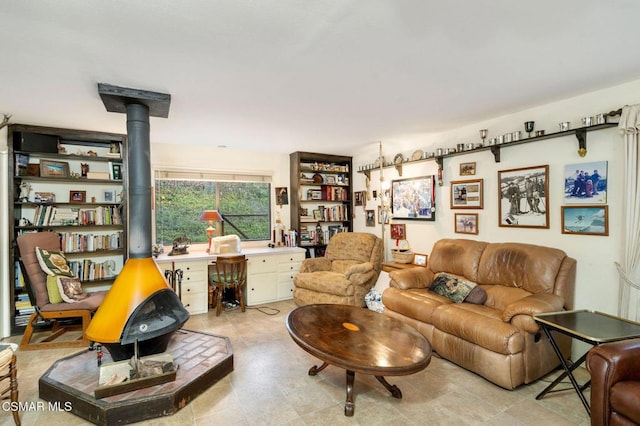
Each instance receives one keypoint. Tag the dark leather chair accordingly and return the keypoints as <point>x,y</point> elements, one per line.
<point>615,383</point>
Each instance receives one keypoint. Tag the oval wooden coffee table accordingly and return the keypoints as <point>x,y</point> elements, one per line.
<point>360,341</point>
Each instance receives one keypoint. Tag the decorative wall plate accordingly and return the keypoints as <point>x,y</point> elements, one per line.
<point>417,155</point>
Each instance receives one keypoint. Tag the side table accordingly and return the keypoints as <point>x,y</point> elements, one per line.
<point>8,371</point>
<point>591,327</point>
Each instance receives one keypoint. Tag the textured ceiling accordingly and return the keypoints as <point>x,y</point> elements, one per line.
<point>330,76</point>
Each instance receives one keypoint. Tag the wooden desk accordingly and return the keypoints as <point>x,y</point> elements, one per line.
<point>394,266</point>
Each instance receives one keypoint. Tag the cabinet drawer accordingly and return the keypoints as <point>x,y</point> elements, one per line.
<point>286,276</point>
<point>261,264</point>
<point>293,267</point>
<point>195,303</point>
<point>193,287</point>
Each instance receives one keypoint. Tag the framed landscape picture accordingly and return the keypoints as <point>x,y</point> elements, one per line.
<point>414,198</point>
<point>468,169</point>
<point>585,183</point>
<point>585,220</point>
<point>523,196</point>
<point>466,194</point>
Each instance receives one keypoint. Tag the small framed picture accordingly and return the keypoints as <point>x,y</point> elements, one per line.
<point>370,218</point>
<point>45,197</point>
<point>585,220</point>
<point>317,214</point>
<point>109,197</point>
<point>383,215</point>
<point>466,194</point>
<point>316,194</point>
<point>468,169</point>
<point>50,168</point>
<point>282,196</point>
<point>116,171</point>
<point>359,198</point>
<point>77,196</point>
<point>420,259</point>
<point>33,169</point>
<point>466,223</point>
<point>331,180</point>
<point>398,231</point>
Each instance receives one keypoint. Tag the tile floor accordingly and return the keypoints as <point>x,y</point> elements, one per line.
<point>270,386</point>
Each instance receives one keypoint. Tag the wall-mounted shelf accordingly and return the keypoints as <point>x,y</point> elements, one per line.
<point>580,134</point>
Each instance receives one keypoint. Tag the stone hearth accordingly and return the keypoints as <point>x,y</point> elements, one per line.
<point>202,360</point>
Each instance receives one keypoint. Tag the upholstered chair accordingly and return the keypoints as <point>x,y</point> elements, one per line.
<point>615,383</point>
<point>346,273</point>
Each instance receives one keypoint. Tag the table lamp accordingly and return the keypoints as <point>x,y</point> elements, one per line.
<point>211,216</point>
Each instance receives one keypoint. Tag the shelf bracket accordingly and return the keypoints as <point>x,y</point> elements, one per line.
<point>581,135</point>
<point>399,169</point>
<point>495,150</point>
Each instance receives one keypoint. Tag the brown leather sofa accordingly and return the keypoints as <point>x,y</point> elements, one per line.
<point>499,339</point>
<point>615,383</point>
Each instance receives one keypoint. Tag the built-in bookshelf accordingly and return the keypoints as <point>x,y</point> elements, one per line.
<point>70,182</point>
<point>321,200</point>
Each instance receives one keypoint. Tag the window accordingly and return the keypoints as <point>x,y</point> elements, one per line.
<point>181,196</point>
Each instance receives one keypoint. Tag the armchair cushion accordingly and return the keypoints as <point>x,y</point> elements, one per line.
<point>53,262</point>
<point>70,289</point>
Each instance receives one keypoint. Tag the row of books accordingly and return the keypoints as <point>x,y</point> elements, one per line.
<point>74,242</point>
<point>311,237</point>
<point>88,270</point>
<point>334,193</point>
<point>50,215</point>
<point>335,213</point>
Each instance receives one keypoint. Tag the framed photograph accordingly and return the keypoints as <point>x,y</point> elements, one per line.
<point>314,194</point>
<point>370,218</point>
<point>109,197</point>
<point>359,198</point>
<point>398,231</point>
<point>467,194</point>
<point>382,215</point>
<point>585,220</point>
<point>317,214</point>
<point>585,183</point>
<point>116,170</point>
<point>33,169</point>
<point>50,168</point>
<point>414,198</point>
<point>420,259</point>
<point>466,223</point>
<point>282,196</point>
<point>44,197</point>
<point>468,169</point>
<point>524,197</point>
<point>331,180</point>
<point>77,196</point>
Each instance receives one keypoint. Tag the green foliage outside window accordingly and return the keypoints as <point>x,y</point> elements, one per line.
<point>179,203</point>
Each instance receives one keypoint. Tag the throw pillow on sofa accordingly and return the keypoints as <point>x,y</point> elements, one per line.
<point>457,289</point>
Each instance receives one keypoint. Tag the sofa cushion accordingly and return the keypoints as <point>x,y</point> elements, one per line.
<point>458,289</point>
<point>480,325</point>
<point>457,256</point>
<point>418,304</point>
<point>53,262</point>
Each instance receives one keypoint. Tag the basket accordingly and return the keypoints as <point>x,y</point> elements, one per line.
<point>402,255</point>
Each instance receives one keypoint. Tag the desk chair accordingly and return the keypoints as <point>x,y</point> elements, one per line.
<point>230,272</point>
<point>8,371</point>
<point>57,314</point>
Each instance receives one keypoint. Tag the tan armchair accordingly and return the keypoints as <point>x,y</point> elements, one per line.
<point>346,273</point>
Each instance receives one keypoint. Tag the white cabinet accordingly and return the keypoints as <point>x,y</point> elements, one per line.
<point>270,277</point>
<point>193,285</point>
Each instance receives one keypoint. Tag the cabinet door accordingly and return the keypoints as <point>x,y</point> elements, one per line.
<point>262,279</point>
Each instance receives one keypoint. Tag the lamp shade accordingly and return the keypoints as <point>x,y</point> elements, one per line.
<point>211,216</point>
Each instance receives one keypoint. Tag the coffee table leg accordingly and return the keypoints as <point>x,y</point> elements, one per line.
<point>395,391</point>
<point>350,406</point>
<point>315,369</point>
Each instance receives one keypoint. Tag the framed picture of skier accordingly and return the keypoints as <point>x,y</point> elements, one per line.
<point>524,197</point>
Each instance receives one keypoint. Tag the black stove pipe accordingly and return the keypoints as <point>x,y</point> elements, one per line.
<point>139,166</point>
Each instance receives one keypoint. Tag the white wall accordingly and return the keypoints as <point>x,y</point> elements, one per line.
<point>597,280</point>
